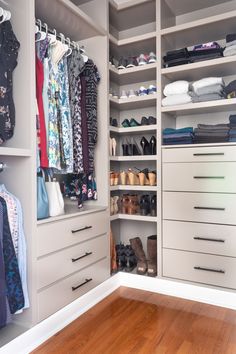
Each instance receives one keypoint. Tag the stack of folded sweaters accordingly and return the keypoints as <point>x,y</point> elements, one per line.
<point>176,57</point>
<point>232,125</point>
<point>205,133</point>
<point>178,136</point>
<point>176,93</point>
<point>208,89</point>
<point>230,48</point>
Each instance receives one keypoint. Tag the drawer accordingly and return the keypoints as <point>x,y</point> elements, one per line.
<point>200,154</point>
<point>200,177</point>
<point>203,238</point>
<point>54,236</point>
<point>201,268</point>
<point>200,207</point>
<point>67,290</point>
<point>63,263</point>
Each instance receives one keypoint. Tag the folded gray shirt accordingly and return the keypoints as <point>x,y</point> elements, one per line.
<point>209,89</point>
<point>209,97</point>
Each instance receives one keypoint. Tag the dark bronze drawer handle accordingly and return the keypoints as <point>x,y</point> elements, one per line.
<point>82,229</point>
<point>84,255</point>
<point>82,284</point>
<point>208,208</point>
<point>209,239</point>
<point>210,270</point>
<point>210,154</point>
<point>208,177</point>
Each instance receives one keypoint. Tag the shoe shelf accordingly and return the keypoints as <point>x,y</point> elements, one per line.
<point>224,66</point>
<point>224,105</point>
<point>134,130</point>
<point>131,40</point>
<point>134,158</point>
<point>134,217</point>
<point>133,188</point>
<point>132,75</point>
<point>134,102</point>
<point>9,151</point>
<point>78,24</point>
<point>202,30</point>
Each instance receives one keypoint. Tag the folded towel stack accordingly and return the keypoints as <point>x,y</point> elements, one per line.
<point>230,48</point>
<point>207,133</point>
<point>176,93</point>
<point>232,125</point>
<point>206,51</point>
<point>178,136</point>
<point>176,57</point>
<point>208,89</point>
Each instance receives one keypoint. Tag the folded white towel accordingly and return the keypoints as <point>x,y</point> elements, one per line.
<point>207,81</point>
<point>173,100</point>
<point>176,88</point>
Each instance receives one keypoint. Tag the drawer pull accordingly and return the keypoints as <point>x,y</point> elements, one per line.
<point>210,270</point>
<point>84,255</point>
<point>209,239</point>
<point>208,177</point>
<point>82,284</point>
<point>208,208</point>
<point>82,229</point>
<point>210,154</point>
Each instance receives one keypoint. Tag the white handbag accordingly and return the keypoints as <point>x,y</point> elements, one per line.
<point>55,198</point>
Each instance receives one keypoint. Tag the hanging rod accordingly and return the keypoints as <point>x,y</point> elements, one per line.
<point>60,36</point>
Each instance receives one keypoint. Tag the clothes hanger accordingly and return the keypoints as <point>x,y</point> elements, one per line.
<point>53,37</point>
<point>6,15</point>
<point>69,49</point>
<point>43,35</point>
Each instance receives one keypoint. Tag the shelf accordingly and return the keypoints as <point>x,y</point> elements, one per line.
<point>133,103</point>
<point>132,75</point>
<point>133,188</point>
<point>134,158</point>
<point>133,217</point>
<point>202,107</point>
<point>67,18</point>
<point>197,145</point>
<point>134,39</point>
<point>134,130</point>
<point>127,4</point>
<point>180,7</point>
<point>201,31</point>
<point>8,151</point>
<point>72,211</point>
<point>224,66</point>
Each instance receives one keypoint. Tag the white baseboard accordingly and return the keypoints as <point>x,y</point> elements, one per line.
<point>31,339</point>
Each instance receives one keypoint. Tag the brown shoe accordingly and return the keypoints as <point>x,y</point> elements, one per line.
<point>133,206</point>
<point>152,255</point>
<point>137,247</point>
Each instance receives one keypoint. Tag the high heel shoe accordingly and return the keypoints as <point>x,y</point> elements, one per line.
<point>123,178</point>
<point>145,146</point>
<point>133,148</point>
<point>152,178</point>
<point>145,205</point>
<point>153,145</point>
<point>125,147</point>
<point>113,146</point>
<point>110,146</point>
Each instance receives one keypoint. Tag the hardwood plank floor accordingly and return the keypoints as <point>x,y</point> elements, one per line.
<point>139,322</point>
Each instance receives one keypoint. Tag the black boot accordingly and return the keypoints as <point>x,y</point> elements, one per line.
<point>120,257</point>
<point>153,206</point>
<point>145,205</point>
<point>131,261</point>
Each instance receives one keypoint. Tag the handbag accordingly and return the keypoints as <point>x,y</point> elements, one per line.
<point>42,198</point>
<point>55,198</point>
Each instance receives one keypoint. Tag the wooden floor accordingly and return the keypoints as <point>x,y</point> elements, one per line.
<point>138,322</point>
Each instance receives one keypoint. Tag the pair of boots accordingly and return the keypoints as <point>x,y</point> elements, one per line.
<point>146,265</point>
<point>125,258</point>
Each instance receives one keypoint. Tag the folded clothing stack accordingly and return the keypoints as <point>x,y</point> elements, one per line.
<point>206,51</point>
<point>178,136</point>
<point>230,89</point>
<point>208,133</point>
<point>208,89</point>
<point>176,57</point>
<point>176,93</point>
<point>230,48</point>
<point>232,126</point>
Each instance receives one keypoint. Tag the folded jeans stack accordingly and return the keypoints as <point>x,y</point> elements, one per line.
<point>176,93</point>
<point>176,57</point>
<point>230,48</point>
<point>206,51</point>
<point>208,89</point>
<point>211,133</point>
<point>232,126</point>
<point>178,136</point>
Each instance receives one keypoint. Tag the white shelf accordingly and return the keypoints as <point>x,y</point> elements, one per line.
<point>180,7</point>
<point>132,75</point>
<point>134,39</point>
<point>202,107</point>
<point>202,30</point>
<point>133,217</point>
<point>8,151</point>
<point>134,103</point>
<point>197,145</point>
<point>134,158</point>
<point>134,130</point>
<point>133,188</point>
<point>127,4</point>
<point>69,19</point>
<point>224,66</point>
